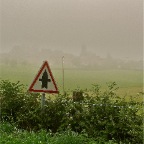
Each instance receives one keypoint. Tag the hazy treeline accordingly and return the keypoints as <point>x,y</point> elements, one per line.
<point>85,59</point>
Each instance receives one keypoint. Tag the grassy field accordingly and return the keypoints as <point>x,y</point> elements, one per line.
<point>130,82</point>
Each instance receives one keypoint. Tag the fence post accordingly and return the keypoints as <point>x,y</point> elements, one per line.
<point>78,95</point>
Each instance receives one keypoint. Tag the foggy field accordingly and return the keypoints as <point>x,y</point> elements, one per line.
<point>128,81</point>
<point>99,43</point>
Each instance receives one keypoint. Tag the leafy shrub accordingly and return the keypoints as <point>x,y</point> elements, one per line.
<point>15,102</point>
<point>16,136</point>
<point>101,116</point>
<point>111,117</point>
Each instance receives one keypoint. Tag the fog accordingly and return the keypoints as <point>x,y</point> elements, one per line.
<point>104,27</point>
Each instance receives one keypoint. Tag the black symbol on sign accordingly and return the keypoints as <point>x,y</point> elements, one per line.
<point>45,80</point>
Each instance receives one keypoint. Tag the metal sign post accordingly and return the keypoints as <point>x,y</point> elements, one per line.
<point>42,101</point>
<point>63,73</point>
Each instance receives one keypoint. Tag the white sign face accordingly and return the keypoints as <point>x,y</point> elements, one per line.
<point>44,81</point>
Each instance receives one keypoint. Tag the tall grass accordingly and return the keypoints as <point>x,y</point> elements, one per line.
<point>11,135</point>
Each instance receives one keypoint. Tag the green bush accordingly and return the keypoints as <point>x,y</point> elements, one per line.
<point>15,102</point>
<point>101,116</point>
<point>16,136</point>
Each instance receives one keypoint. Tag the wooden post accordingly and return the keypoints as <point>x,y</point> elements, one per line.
<point>78,96</point>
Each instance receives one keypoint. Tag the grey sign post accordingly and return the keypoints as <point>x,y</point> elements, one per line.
<point>42,101</point>
<point>63,73</point>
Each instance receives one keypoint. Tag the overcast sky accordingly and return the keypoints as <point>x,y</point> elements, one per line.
<point>103,26</point>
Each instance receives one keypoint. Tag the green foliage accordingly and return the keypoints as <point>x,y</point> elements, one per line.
<point>15,101</point>
<point>102,116</point>
<point>16,136</point>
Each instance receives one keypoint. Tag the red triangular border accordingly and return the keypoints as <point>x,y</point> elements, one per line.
<point>45,64</point>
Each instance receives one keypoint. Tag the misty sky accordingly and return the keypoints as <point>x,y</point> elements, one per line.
<point>103,26</point>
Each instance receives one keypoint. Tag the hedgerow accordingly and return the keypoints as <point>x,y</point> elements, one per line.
<point>102,116</point>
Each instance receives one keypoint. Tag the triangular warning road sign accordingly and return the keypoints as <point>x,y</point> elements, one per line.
<point>44,81</point>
